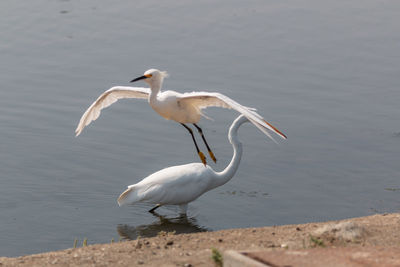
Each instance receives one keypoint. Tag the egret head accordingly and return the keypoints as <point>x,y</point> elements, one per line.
<point>153,77</point>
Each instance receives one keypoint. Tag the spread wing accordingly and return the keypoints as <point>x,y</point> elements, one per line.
<point>106,99</point>
<point>203,100</point>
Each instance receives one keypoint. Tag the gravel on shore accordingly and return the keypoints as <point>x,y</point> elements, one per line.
<point>168,249</point>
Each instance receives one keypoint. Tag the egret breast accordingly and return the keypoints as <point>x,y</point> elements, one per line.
<point>167,106</point>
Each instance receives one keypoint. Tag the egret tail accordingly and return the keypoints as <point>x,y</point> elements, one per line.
<point>128,196</point>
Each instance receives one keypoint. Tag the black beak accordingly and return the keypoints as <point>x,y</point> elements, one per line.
<point>138,78</point>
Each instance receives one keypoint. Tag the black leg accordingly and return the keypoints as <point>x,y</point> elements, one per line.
<point>155,207</point>
<point>201,155</point>
<point>205,142</point>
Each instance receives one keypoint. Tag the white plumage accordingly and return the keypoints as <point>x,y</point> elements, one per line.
<point>182,108</point>
<point>179,185</point>
<point>108,98</point>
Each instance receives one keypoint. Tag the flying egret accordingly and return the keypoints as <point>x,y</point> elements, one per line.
<point>179,185</point>
<point>182,108</point>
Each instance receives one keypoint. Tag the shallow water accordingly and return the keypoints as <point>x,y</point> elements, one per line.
<point>325,73</point>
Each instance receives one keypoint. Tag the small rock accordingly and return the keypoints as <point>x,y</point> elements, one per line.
<point>187,265</point>
<point>298,229</point>
<point>220,240</point>
<point>347,231</point>
<point>140,262</point>
<point>169,243</point>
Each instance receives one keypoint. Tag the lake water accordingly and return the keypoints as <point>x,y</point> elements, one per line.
<point>326,73</point>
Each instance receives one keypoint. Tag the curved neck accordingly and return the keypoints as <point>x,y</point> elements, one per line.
<point>227,174</point>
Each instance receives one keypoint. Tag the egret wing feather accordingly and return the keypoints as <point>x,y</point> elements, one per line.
<point>203,100</point>
<point>107,98</point>
<point>174,185</point>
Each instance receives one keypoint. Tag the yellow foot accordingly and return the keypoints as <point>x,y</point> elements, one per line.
<point>212,156</point>
<point>203,158</point>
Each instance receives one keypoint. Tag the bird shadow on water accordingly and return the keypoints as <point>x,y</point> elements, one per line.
<point>177,225</point>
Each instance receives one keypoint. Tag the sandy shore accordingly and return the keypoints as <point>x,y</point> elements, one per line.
<point>167,249</point>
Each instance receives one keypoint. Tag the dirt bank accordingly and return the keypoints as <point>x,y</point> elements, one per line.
<point>381,230</point>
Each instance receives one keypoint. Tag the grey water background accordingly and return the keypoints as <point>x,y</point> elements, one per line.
<point>326,73</point>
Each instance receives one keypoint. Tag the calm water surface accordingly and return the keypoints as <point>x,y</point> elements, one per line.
<point>326,73</point>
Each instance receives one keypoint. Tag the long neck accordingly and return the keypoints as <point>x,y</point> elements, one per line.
<point>155,88</point>
<point>230,170</point>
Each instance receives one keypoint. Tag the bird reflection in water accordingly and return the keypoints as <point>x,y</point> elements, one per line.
<point>178,225</point>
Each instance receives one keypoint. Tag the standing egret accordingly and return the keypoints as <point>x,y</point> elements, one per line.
<point>182,108</point>
<point>179,185</point>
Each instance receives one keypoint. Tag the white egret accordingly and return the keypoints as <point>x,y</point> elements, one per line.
<point>179,185</point>
<point>182,108</point>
